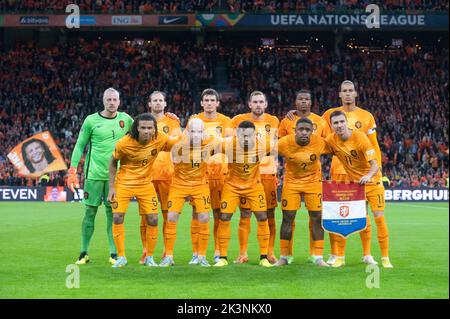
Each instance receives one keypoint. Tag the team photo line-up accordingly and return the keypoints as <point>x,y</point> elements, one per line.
<point>222,163</point>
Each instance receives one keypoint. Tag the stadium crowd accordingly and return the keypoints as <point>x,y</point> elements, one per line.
<point>55,89</point>
<point>190,6</point>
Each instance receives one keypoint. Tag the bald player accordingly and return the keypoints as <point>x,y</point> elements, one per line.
<point>361,120</point>
<point>162,167</point>
<point>190,180</point>
<point>358,157</point>
<point>216,127</point>
<point>266,129</point>
<point>303,102</point>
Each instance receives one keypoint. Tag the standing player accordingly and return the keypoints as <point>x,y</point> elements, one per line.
<point>303,177</point>
<point>190,180</point>
<point>162,167</point>
<point>303,104</point>
<point>266,129</point>
<point>100,132</point>
<point>136,152</point>
<point>362,120</point>
<point>216,125</point>
<point>243,181</point>
<point>358,158</point>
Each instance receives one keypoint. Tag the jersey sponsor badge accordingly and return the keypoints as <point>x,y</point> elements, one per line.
<point>354,153</point>
<point>267,127</point>
<point>313,157</point>
<point>358,124</point>
<point>166,129</point>
<point>121,124</point>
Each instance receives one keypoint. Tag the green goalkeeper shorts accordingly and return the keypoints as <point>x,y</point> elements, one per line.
<point>95,192</point>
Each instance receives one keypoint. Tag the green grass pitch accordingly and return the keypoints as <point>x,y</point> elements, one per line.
<point>39,240</point>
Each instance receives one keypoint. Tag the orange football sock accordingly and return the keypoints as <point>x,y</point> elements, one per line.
<point>143,229</point>
<point>339,243</point>
<point>284,247</point>
<point>119,239</point>
<point>223,234</point>
<point>164,224</point>
<point>272,235</point>
<point>291,242</point>
<point>318,247</point>
<point>263,236</point>
<point>195,229</point>
<point>171,236</point>
<point>216,238</point>
<point>383,235</point>
<point>243,233</point>
<point>311,241</point>
<point>151,235</point>
<point>203,238</point>
<point>366,237</point>
<point>334,244</point>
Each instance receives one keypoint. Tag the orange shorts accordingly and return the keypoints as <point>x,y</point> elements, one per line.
<point>375,196</point>
<point>145,196</point>
<point>215,189</point>
<point>199,197</point>
<point>374,192</point>
<point>233,196</point>
<point>270,191</point>
<point>162,188</point>
<point>291,196</point>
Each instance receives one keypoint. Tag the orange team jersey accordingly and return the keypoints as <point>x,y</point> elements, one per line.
<point>358,119</point>
<point>302,162</point>
<point>136,160</point>
<point>217,127</point>
<point>267,130</point>
<point>163,167</point>
<point>243,165</point>
<point>191,164</point>
<point>320,126</point>
<point>354,154</point>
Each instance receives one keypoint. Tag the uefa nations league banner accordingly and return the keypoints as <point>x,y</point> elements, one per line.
<point>343,208</point>
<point>322,21</point>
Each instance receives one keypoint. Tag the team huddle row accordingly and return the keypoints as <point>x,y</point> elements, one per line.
<point>220,163</point>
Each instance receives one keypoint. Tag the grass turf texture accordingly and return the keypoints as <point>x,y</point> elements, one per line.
<point>38,241</point>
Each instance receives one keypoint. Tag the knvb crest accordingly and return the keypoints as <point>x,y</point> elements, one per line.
<point>344,211</point>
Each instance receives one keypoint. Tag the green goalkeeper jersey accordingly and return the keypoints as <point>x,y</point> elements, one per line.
<point>100,134</point>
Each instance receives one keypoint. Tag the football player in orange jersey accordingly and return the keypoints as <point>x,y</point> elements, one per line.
<point>190,180</point>
<point>362,120</point>
<point>266,129</point>
<point>216,127</point>
<point>136,152</point>
<point>303,104</point>
<point>303,177</point>
<point>244,152</point>
<point>359,160</point>
<point>162,168</point>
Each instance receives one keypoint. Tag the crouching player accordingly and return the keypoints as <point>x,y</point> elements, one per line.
<point>303,177</point>
<point>189,180</point>
<point>136,152</point>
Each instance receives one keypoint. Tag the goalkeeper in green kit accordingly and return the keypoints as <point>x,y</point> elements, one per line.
<point>100,132</point>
